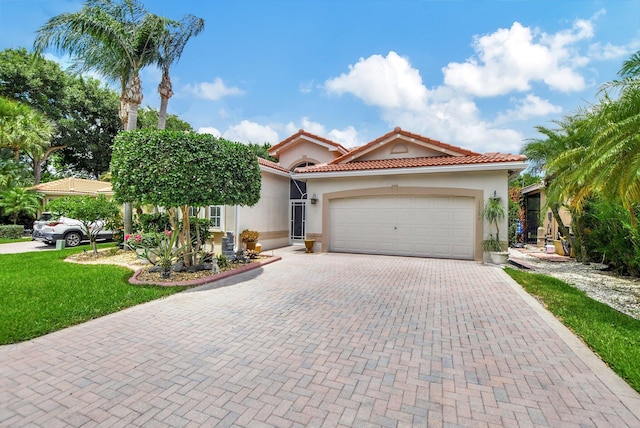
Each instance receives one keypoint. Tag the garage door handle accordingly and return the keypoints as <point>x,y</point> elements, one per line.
<point>395,227</point>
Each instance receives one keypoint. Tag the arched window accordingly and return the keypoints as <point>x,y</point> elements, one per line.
<point>297,188</point>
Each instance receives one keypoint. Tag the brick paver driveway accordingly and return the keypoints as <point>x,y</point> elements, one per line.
<point>320,340</point>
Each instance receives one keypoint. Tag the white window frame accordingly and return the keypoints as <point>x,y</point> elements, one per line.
<point>220,216</point>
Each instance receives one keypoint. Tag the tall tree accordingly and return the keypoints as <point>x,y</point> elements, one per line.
<point>85,112</point>
<point>116,39</point>
<point>541,151</point>
<point>172,44</point>
<point>88,129</point>
<point>148,119</point>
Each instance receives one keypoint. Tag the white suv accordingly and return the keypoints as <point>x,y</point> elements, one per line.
<point>49,230</point>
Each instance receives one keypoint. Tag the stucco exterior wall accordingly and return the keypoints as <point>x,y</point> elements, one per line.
<point>479,185</point>
<point>399,149</point>
<point>305,151</point>
<point>270,215</point>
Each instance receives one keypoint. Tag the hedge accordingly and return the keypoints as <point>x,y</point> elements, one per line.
<point>11,231</point>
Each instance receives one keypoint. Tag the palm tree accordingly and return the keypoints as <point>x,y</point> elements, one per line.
<point>114,38</point>
<point>17,200</point>
<point>24,129</point>
<point>543,151</point>
<point>171,46</point>
<point>612,164</point>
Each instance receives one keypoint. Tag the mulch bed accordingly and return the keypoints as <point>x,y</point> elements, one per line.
<point>142,276</point>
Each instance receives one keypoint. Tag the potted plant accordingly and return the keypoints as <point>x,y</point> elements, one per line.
<point>494,212</point>
<point>250,238</point>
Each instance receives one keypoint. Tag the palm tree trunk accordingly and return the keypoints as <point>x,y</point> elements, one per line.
<point>133,98</point>
<point>165,90</point>
<point>162,115</point>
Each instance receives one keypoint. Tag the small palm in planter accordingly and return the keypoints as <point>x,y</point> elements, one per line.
<point>493,213</point>
<point>250,238</point>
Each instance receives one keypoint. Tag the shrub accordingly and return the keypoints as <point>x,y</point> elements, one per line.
<point>611,237</point>
<point>204,224</point>
<point>157,222</point>
<point>11,231</point>
<point>223,261</point>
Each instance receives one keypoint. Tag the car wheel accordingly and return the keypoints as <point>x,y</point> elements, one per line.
<point>72,239</point>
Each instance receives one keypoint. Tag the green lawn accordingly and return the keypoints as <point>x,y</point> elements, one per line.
<point>614,336</point>
<point>10,241</point>
<point>40,293</point>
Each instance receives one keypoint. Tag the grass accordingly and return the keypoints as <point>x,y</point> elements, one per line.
<point>614,336</point>
<point>42,293</point>
<point>11,241</point>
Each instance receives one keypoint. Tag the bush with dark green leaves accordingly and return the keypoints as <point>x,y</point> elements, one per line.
<point>155,222</point>
<point>11,231</point>
<point>611,237</point>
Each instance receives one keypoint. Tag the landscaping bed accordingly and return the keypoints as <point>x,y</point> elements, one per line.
<point>143,275</point>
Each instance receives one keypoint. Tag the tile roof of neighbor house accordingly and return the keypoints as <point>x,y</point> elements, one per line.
<point>270,164</point>
<point>398,131</point>
<point>302,132</point>
<point>413,162</point>
<point>74,185</point>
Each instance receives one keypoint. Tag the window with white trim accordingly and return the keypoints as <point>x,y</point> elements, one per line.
<point>193,211</point>
<point>216,213</point>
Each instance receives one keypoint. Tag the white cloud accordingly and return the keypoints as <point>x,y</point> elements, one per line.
<point>348,137</point>
<point>511,59</point>
<point>306,87</point>
<point>388,82</point>
<point>212,90</point>
<point>527,108</point>
<point>209,130</point>
<point>308,125</point>
<point>251,132</point>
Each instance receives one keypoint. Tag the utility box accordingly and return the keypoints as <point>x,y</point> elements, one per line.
<point>60,244</point>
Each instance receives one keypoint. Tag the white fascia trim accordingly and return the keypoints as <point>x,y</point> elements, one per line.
<point>418,170</point>
<point>327,146</point>
<point>275,171</point>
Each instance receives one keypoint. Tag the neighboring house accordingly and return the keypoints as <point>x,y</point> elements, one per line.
<point>72,187</point>
<point>401,194</point>
<point>540,223</point>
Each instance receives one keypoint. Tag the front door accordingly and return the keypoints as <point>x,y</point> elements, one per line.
<point>298,220</point>
<point>297,211</point>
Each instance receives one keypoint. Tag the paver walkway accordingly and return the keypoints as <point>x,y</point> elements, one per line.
<point>320,340</point>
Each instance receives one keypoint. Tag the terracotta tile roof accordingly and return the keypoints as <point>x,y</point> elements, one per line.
<point>302,132</point>
<point>360,150</point>
<point>270,164</point>
<point>413,163</point>
<point>75,185</point>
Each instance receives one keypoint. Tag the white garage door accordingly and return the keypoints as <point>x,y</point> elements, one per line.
<point>436,226</point>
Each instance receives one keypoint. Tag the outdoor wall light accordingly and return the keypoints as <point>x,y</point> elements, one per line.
<point>314,199</point>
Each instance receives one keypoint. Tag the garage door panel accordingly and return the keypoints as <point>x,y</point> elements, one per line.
<point>438,226</point>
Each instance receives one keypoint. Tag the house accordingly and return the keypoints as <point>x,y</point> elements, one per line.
<point>72,187</point>
<point>539,221</point>
<point>401,194</point>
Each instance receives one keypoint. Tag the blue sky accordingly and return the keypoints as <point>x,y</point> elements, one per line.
<point>477,74</point>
